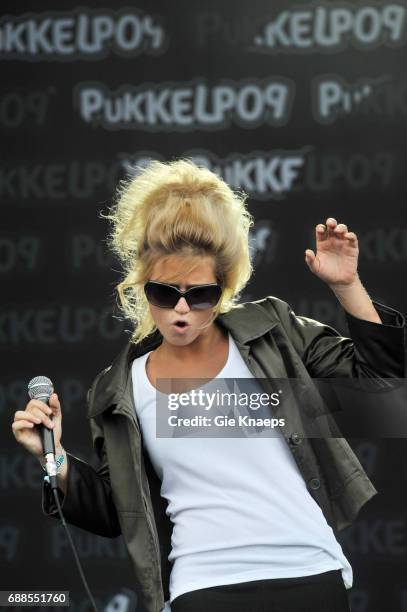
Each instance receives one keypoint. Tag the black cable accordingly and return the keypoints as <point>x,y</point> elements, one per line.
<point>78,563</point>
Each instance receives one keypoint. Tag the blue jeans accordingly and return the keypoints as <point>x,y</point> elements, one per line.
<point>324,592</point>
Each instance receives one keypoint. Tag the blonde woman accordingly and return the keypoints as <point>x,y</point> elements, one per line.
<point>219,523</point>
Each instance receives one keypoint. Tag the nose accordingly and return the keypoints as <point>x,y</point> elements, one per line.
<point>182,305</point>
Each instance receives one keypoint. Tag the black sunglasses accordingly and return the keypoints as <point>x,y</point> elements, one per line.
<point>198,297</point>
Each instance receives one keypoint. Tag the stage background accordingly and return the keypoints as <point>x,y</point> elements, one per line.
<point>302,105</point>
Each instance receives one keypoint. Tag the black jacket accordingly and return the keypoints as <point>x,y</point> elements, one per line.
<point>123,495</point>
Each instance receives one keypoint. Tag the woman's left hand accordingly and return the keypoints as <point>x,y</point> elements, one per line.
<point>336,259</point>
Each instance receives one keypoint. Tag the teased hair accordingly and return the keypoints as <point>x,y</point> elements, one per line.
<point>177,208</point>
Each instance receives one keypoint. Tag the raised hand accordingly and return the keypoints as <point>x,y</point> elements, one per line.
<point>337,251</point>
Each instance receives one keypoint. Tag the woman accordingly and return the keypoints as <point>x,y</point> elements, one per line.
<point>219,522</point>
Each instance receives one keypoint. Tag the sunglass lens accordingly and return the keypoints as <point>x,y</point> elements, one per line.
<point>202,298</point>
<point>161,295</point>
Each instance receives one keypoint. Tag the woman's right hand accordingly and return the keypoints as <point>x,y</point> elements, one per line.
<point>37,412</point>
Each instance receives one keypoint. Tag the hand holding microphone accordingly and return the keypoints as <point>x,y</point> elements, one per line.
<point>38,428</point>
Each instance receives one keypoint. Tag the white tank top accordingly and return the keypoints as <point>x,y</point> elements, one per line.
<point>240,508</point>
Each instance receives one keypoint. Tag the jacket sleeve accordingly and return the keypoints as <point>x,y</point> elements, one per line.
<point>373,350</point>
<point>88,500</point>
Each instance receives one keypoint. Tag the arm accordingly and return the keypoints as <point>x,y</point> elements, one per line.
<point>377,344</point>
<point>86,493</point>
<point>374,350</point>
<point>356,301</point>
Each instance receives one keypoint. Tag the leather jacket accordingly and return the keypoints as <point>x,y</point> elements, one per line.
<point>122,496</point>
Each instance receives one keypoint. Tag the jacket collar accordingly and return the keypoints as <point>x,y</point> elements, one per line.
<point>245,322</point>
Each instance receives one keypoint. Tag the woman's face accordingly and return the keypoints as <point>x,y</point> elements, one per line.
<point>165,318</point>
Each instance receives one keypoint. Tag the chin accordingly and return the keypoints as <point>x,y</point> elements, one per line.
<point>177,339</point>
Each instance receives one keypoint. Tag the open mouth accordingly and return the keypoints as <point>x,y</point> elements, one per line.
<point>181,324</point>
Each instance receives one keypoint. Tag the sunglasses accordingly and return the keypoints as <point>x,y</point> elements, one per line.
<point>198,297</point>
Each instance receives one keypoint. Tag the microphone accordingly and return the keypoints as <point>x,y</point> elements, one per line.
<point>41,388</point>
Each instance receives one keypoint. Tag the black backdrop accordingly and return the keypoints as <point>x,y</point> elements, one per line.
<point>302,105</point>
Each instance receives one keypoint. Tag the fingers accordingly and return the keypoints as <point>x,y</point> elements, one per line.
<point>36,412</point>
<point>35,416</point>
<point>351,236</point>
<point>42,417</point>
<point>332,225</point>
<point>54,403</point>
<point>21,424</point>
<point>332,228</point>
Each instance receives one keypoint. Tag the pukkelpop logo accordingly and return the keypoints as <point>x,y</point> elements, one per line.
<point>80,34</point>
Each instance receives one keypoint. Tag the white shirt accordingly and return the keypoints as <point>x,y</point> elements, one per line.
<point>240,507</point>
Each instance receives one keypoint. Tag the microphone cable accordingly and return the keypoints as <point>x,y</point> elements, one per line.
<point>78,563</point>
<point>41,388</point>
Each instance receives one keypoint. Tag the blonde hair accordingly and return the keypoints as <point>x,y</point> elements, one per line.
<point>177,209</point>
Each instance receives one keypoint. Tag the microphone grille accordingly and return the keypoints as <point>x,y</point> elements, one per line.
<point>40,388</point>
